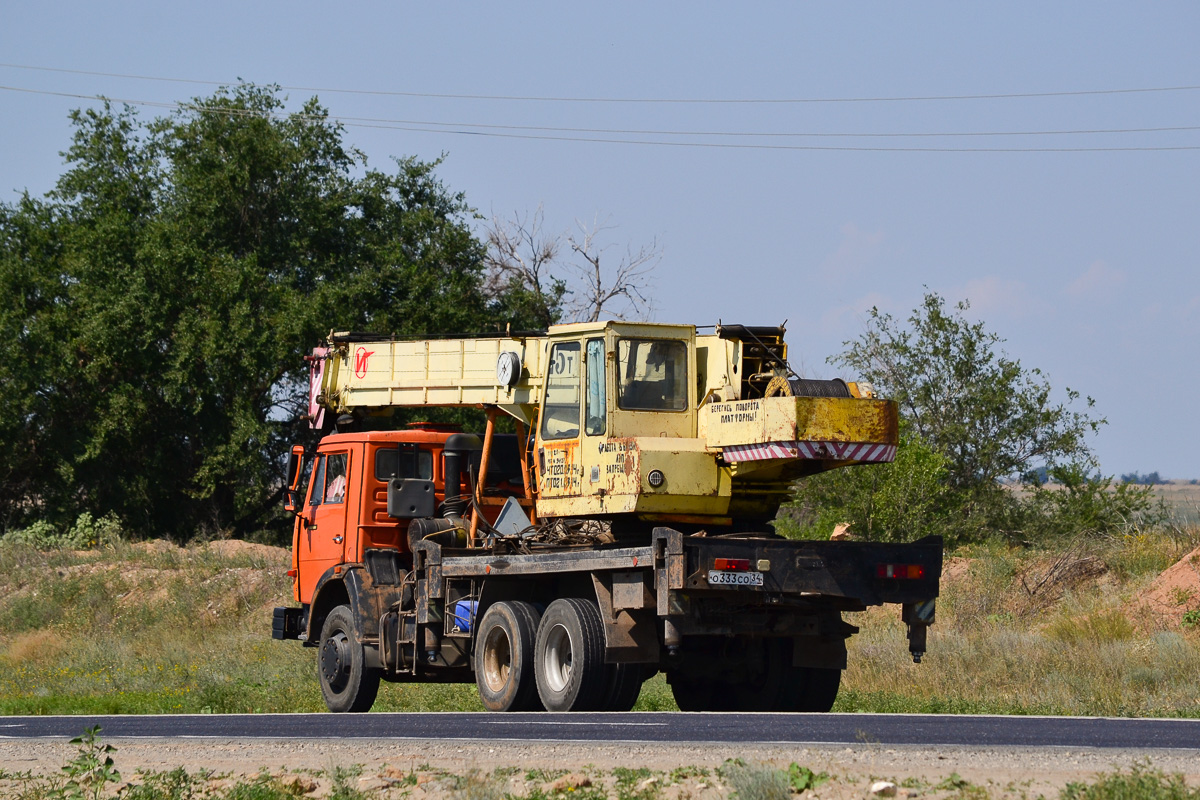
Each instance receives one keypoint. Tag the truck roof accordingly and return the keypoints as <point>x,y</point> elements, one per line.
<point>419,435</point>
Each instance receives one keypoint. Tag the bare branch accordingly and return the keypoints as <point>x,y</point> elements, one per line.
<point>521,255</point>
<point>623,291</point>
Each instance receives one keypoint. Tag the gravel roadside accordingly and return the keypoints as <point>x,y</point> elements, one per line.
<point>1004,771</point>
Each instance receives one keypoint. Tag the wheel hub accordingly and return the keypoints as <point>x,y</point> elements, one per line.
<point>556,662</point>
<point>335,661</point>
<point>497,659</point>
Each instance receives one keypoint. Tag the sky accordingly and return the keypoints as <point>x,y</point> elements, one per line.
<point>774,162</point>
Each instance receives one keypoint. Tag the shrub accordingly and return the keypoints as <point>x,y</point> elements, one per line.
<point>973,419</point>
<point>41,535</point>
<point>895,502</point>
<point>1078,504</point>
<point>1149,479</point>
<point>87,533</point>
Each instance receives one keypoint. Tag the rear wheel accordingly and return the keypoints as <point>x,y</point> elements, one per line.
<point>743,674</point>
<point>504,654</point>
<point>624,686</point>
<point>691,692</point>
<point>812,689</point>
<point>569,656</point>
<point>767,667</point>
<point>347,683</point>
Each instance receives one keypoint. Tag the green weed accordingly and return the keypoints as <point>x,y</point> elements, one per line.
<point>684,773</point>
<point>635,784</point>
<point>539,775</point>
<point>801,779</point>
<point>92,768</point>
<point>1140,783</point>
<point>477,785</point>
<point>177,784</point>
<point>756,781</point>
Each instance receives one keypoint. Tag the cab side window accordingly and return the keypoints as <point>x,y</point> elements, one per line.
<point>335,478</point>
<point>388,465</point>
<point>560,412</point>
<point>652,375</point>
<point>596,401</point>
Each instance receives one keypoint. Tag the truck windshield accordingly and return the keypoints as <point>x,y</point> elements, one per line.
<point>651,375</point>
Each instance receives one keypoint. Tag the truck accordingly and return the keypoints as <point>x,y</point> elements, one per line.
<point>611,521</point>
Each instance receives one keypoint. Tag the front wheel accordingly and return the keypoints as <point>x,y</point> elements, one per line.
<point>569,656</point>
<point>347,683</point>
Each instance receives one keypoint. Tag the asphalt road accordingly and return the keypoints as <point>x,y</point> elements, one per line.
<point>892,729</point>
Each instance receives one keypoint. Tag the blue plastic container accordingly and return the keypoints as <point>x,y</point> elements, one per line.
<point>463,615</point>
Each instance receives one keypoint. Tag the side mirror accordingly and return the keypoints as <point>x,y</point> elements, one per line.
<point>295,470</point>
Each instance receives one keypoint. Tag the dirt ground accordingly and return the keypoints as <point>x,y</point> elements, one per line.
<point>1174,592</point>
<point>1003,771</point>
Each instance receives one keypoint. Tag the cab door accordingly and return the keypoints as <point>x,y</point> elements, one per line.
<point>322,534</point>
<point>560,471</point>
<point>598,454</point>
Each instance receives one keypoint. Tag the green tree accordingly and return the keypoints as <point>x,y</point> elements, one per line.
<point>895,502</point>
<point>991,417</point>
<point>973,418</point>
<point>159,301</point>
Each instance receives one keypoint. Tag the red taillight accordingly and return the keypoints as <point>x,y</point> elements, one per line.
<point>742,564</point>
<point>291,573</point>
<point>903,571</point>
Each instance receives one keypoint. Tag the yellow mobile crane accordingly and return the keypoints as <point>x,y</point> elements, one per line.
<point>624,528</point>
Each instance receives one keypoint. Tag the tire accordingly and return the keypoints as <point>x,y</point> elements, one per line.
<point>764,684</point>
<point>745,675</point>
<point>347,683</point>
<point>813,689</point>
<point>569,656</point>
<point>691,693</point>
<point>623,687</point>
<point>504,654</point>
<point>534,616</point>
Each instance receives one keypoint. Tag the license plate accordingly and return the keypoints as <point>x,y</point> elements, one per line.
<point>717,578</point>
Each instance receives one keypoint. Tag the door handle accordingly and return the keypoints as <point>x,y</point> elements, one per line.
<point>337,539</point>
<point>312,526</point>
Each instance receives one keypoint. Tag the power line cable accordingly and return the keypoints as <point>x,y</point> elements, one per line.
<point>650,132</point>
<point>662,100</point>
<point>418,128</point>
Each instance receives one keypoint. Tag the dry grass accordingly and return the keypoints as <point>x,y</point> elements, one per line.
<point>1182,498</point>
<point>157,628</point>
<point>1038,633</point>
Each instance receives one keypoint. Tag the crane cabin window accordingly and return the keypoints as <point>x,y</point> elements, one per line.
<point>651,375</point>
<point>560,412</point>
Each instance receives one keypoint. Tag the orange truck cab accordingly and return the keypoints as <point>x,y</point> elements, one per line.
<point>340,499</point>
